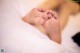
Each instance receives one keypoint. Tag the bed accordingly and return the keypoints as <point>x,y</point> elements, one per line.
<point>17,36</point>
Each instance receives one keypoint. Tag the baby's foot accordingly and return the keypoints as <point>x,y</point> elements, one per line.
<point>36,16</point>
<point>52,27</point>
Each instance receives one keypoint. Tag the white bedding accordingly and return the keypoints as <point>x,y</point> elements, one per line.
<point>17,36</point>
<point>70,30</point>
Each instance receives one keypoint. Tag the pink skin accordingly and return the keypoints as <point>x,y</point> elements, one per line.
<point>48,19</point>
<point>50,23</point>
<point>52,26</point>
<point>34,15</point>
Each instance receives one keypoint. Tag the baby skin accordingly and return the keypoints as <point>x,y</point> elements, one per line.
<point>46,20</point>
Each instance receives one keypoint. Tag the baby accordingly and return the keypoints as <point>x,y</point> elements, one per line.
<point>46,21</point>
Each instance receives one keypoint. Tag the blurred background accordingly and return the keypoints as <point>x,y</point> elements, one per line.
<point>68,10</point>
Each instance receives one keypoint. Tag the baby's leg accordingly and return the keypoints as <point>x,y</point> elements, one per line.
<point>66,10</point>
<point>51,4</point>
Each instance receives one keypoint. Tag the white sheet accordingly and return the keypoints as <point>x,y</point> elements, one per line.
<point>70,30</point>
<point>17,36</point>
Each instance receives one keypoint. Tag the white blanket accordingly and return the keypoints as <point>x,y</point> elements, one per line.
<point>17,36</point>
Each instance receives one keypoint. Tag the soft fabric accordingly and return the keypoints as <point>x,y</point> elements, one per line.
<point>16,36</point>
<point>72,27</point>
